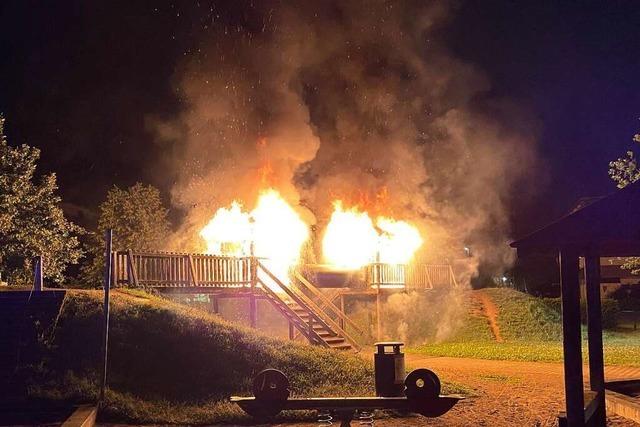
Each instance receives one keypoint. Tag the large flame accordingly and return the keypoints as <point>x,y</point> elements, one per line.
<point>273,226</point>
<point>351,240</point>
<point>228,232</point>
<point>279,233</point>
<point>398,241</point>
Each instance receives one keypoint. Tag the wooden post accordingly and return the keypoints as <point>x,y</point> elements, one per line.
<point>192,272</point>
<point>378,314</point>
<point>108,237</point>
<point>133,273</point>
<point>594,325</point>
<point>253,307</point>
<point>214,304</point>
<point>38,273</point>
<point>291,331</point>
<point>571,337</point>
<point>342,310</point>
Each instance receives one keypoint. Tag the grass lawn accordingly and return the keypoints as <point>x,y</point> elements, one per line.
<point>532,331</point>
<point>171,364</point>
<point>624,349</point>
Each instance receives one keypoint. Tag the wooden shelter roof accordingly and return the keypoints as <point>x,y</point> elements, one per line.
<point>609,226</point>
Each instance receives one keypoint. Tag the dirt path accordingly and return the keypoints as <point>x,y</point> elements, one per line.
<point>490,311</point>
<point>504,393</point>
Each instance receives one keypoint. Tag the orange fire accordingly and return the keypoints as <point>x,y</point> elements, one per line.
<point>229,232</point>
<point>351,240</point>
<point>273,226</point>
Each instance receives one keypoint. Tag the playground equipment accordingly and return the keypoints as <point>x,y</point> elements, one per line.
<point>418,392</point>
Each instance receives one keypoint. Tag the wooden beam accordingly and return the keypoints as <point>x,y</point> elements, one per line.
<point>253,310</point>
<point>192,271</point>
<point>378,314</point>
<point>214,304</point>
<point>133,274</point>
<point>342,310</point>
<point>571,337</point>
<point>594,325</point>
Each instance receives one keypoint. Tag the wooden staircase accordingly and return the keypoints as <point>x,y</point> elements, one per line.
<point>331,338</point>
<point>304,314</point>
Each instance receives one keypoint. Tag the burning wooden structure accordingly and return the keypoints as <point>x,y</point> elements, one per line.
<point>312,301</point>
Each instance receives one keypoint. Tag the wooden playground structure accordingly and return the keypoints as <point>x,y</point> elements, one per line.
<point>311,308</point>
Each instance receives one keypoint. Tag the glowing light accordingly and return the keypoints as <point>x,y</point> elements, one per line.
<point>228,232</point>
<point>351,240</point>
<point>398,242</point>
<point>276,230</point>
<point>279,233</point>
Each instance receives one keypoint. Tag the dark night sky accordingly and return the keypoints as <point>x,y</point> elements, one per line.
<point>79,78</point>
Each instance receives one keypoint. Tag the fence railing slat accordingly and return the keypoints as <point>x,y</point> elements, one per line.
<point>182,269</point>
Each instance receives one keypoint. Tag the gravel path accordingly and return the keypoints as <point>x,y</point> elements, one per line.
<point>505,393</point>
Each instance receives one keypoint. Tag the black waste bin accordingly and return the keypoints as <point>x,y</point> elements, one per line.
<point>389,367</point>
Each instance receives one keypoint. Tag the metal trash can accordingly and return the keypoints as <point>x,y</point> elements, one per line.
<point>389,369</point>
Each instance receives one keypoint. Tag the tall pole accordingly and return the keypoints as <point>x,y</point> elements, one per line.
<point>378,280</point>
<point>571,337</point>
<point>253,307</point>
<point>594,324</point>
<point>108,237</point>
<point>38,272</point>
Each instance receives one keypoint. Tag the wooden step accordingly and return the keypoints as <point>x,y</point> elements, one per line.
<point>301,316</point>
<point>334,340</point>
<point>341,346</point>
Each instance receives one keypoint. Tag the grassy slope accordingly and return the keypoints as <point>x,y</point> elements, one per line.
<point>186,363</point>
<point>532,331</point>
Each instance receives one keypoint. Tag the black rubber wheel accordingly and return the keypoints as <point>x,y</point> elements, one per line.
<point>422,383</point>
<point>272,385</point>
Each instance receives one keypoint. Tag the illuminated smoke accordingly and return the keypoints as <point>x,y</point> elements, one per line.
<point>343,96</point>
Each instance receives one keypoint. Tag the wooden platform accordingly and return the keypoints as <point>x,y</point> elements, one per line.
<point>315,314</point>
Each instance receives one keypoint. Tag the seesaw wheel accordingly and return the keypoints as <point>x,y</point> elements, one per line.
<point>272,385</point>
<point>422,383</point>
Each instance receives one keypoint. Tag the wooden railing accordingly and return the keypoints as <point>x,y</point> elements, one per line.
<point>409,276</point>
<point>168,269</point>
<point>175,270</point>
<point>312,308</point>
<point>325,304</point>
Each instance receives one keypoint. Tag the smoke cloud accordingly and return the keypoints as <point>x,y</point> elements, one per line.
<point>346,97</point>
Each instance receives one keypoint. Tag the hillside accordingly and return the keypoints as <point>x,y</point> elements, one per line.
<point>525,317</point>
<point>505,324</point>
<point>184,362</point>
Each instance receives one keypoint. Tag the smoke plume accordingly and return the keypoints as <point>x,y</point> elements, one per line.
<point>330,99</point>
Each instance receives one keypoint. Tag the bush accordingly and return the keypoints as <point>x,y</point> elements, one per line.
<point>610,310</point>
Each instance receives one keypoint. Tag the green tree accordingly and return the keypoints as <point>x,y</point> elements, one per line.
<point>31,220</point>
<point>138,219</point>
<point>625,171</point>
